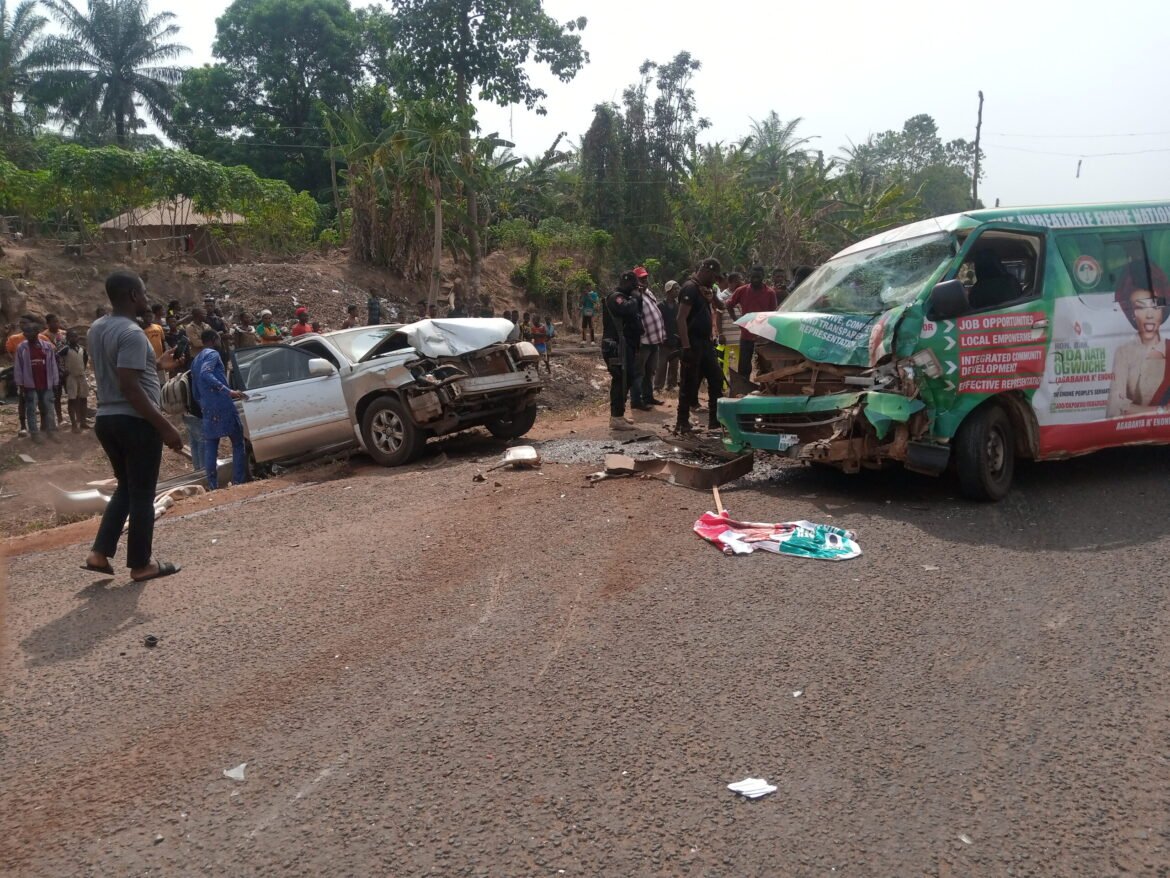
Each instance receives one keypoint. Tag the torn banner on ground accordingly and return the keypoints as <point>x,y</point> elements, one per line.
<point>800,538</point>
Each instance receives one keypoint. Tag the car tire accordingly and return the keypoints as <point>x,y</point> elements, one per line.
<point>985,451</point>
<point>390,436</point>
<point>514,426</point>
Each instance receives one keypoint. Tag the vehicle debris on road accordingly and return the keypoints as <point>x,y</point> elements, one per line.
<point>236,773</point>
<point>803,539</point>
<point>752,787</point>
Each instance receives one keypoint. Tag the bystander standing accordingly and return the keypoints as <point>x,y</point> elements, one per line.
<point>131,428</point>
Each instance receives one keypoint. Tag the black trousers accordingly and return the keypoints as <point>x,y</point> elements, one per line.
<point>624,377</point>
<point>134,448</point>
<point>703,364</point>
<point>747,352</point>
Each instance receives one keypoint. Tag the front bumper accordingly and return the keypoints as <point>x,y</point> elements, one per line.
<point>855,428</point>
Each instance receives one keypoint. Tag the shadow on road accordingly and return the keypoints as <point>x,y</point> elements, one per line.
<point>106,610</point>
<point>1110,499</point>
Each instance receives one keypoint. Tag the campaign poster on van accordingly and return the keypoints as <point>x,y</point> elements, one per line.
<point>1106,380</point>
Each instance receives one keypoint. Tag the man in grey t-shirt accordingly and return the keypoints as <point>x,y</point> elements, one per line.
<point>131,428</point>
<point>117,342</point>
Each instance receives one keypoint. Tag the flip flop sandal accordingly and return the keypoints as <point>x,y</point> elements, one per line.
<point>165,568</point>
<point>108,570</point>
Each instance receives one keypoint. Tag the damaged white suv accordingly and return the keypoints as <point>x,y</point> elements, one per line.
<point>385,388</point>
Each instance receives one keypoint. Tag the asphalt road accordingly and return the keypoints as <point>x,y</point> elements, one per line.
<point>425,674</point>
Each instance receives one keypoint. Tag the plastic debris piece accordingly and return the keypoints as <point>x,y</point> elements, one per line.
<point>752,787</point>
<point>929,568</point>
<point>802,539</point>
<point>236,773</point>
<point>25,458</point>
<point>966,839</point>
<point>796,693</point>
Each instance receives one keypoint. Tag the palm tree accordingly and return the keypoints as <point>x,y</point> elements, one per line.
<point>775,148</point>
<point>432,134</point>
<point>110,61</point>
<point>19,55</point>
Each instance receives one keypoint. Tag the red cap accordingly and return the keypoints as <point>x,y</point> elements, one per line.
<point>300,311</point>
<point>641,272</point>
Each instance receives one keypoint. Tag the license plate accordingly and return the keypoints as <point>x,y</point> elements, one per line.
<point>787,440</point>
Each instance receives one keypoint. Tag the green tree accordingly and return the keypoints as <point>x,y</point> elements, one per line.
<point>431,135</point>
<point>659,138</point>
<point>281,62</point>
<point>20,30</point>
<point>603,169</point>
<point>917,159</point>
<point>462,49</point>
<point>110,58</point>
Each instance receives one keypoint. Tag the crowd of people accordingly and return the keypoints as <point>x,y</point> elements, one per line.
<point>651,345</point>
<point>138,352</point>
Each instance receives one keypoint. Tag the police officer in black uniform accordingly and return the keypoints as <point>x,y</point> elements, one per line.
<point>621,315</point>
<point>695,330</point>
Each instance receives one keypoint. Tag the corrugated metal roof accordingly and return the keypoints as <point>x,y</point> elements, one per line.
<point>180,212</point>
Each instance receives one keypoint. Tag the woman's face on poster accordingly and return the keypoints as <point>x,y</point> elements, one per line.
<point>1148,314</point>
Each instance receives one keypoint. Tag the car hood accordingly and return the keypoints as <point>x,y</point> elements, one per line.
<point>839,339</point>
<point>451,337</point>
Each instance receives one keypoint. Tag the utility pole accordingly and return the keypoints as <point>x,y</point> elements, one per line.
<point>978,133</point>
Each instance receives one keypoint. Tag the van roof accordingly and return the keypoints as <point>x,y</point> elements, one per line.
<point>1066,216</point>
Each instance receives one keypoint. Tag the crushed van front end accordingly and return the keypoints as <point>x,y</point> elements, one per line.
<point>844,416</point>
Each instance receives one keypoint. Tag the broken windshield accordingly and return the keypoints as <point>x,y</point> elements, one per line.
<point>356,343</point>
<point>875,280</point>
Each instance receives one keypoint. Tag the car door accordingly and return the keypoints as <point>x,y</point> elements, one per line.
<point>290,410</point>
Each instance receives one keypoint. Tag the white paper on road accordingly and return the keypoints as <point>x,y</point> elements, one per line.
<point>752,787</point>
<point>236,773</point>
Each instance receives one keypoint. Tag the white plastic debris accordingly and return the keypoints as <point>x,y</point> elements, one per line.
<point>796,693</point>
<point>752,787</point>
<point>966,839</point>
<point>236,773</point>
<point>929,568</point>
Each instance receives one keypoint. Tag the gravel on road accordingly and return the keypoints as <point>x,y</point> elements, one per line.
<point>429,675</point>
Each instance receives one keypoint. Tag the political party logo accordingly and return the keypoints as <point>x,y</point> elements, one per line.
<point>1087,271</point>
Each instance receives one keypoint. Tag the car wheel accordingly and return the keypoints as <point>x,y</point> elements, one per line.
<point>391,437</point>
<point>986,454</point>
<point>513,426</point>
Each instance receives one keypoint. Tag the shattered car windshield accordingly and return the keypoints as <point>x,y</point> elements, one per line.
<point>356,343</point>
<point>875,280</point>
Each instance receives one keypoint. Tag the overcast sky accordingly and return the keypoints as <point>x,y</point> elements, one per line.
<point>1063,79</point>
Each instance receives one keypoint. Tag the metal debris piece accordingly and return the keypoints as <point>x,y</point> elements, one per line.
<point>25,458</point>
<point>522,457</point>
<point>702,478</point>
<point>752,787</point>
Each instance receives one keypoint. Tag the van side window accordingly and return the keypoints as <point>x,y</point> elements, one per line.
<point>1103,262</point>
<point>1003,268</point>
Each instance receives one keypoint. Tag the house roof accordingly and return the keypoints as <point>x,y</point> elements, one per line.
<point>180,212</point>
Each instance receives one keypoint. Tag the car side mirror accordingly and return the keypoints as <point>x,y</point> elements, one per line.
<point>948,299</point>
<point>319,367</point>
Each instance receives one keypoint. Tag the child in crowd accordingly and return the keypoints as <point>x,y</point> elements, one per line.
<point>542,334</point>
<point>74,360</point>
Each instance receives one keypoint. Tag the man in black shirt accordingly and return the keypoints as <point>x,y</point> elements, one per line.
<point>695,329</point>
<point>621,315</point>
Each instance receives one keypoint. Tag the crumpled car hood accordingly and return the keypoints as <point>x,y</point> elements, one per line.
<point>451,337</point>
<point>839,339</point>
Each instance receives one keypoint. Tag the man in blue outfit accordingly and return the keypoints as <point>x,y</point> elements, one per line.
<point>217,401</point>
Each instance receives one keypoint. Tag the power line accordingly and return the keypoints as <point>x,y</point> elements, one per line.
<point>1083,136</point>
<point>1082,155</point>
